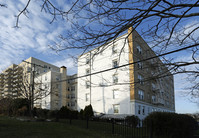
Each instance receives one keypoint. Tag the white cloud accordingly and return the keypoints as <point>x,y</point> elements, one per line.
<point>33,36</point>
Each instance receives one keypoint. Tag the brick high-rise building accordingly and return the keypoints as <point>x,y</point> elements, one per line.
<point>138,88</point>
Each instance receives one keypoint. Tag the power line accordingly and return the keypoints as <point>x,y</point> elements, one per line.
<point>164,54</point>
<point>124,65</point>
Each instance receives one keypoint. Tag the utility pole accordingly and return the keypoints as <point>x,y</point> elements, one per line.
<point>90,77</point>
<point>33,87</point>
<point>33,82</point>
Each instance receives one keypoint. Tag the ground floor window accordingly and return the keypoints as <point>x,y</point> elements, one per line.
<point>116,108</point>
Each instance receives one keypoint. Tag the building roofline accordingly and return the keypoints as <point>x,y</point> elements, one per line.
<point>103,44</point>
<point>41,61</point>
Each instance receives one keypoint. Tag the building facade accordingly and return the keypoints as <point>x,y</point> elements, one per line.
<point>118,79</point>
<point>48,82</point>
<point>51,90</point>
<point>72,92</point>
<point>10,82</point>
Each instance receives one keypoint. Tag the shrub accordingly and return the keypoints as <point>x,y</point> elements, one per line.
<point>5,106</point>
<point>88,111</point>
<point>81,114</point>
<point>40,113</point>
<point>20,106</point>
<point>22,111</point>
<point>53,114</point>
<point>171,125</point>
<point>132,120</point>
<point>74,114</point>
<point>12,106</point>
<point>64,112</point>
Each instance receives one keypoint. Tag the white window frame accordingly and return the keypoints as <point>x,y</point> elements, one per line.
<point>115,94</point>
<point>87,84</point>
<point>72,104</point>
<point>140,64</point>
<point>141,94</point>
<point>87,71</point>
<point>116,108</point>
<point>87,60</point>
<point>139,109</point>
<point>114,49</point>
<point>69,96</point>
<point>115,78</point>
<point>115,63</point>
<point>140,79</point>
<point>139,49</point>
<point>143,110</point>
<point>72,96</point>
<point>72,88</point>
<point>153,98</point>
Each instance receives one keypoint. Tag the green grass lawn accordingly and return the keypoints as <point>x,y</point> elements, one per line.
<point>10,127</point>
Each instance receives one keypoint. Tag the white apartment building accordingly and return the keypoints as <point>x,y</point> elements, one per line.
<point>131,89</point>
<point>51,90</point>
<point>72,92</point>
<point>10,81</point>
<point>50,83</point>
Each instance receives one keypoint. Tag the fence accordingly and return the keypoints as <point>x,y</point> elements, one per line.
<point>117,127</point>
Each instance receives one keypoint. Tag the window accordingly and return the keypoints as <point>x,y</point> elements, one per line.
<point>153,99</point>
<point>45,86</point>
<point>87,84</point>
<point>139,108</point>
<point>72,103</point>
<point>72,88</point>
<point>115,78</point>
<point>143,110</point>
<point>115,94</point>
<point>45,66</point>
<point>115,63</point>
<point>87,60</point>
<point>140,94</point>
<point>139,49</point>
<point>116,109</point>
<point>114,50</point>
<point>45,77</point>
<point>140,65</point>
<point>140,79</point>
<point>153,86</point>
<point>38,71</point>
<point>87,97</point>
<point>72,96</point>
<point>69,96</point>
<point>87,71</point>
<point>68,104</point>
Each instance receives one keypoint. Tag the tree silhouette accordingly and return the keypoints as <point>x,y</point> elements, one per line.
<point>164,24</point>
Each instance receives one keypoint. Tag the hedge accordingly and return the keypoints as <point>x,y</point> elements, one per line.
<point>171,125</point>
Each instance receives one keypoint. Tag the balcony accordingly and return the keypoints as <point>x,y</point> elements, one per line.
<point>1,77</point>
<point>158,102</point>
<point>8,73</point>
<point>8,77</point>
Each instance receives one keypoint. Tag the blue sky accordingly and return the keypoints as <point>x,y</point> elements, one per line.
<point>36,34</point>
